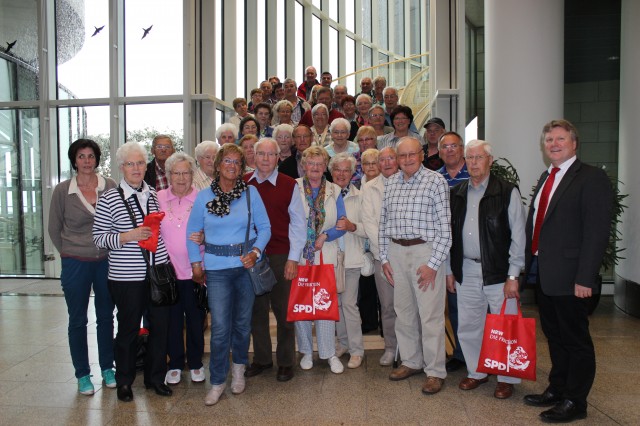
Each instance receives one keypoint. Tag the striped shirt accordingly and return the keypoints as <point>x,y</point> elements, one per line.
<point>416,208</point>
<point>126,262</point>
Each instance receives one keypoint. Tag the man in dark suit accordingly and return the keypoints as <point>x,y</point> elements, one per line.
<point>567,233</point>
<point>161,148</point>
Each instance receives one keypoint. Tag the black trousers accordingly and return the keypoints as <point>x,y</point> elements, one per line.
<point>277,300</point>
<point>565,323</point>
<point>132,299</point>
<point>185,312</point>
<point>368,303</point>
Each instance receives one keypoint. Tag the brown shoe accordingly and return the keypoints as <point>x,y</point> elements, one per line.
<point>403,372</point>
<point>432,385</point>
<point>503,390</point>
<point>468,383</point>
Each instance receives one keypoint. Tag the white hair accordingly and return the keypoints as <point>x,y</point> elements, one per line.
<point>343,156</point>
<point>478,143</point>
<point>340,121</point>
<point>205,146</point>
<point>128,149</point>
<point>227,127</point>
<point>175,158</point>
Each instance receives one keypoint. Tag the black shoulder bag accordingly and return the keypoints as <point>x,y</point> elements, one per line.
<point>262,277</point>
<point>160,277</point>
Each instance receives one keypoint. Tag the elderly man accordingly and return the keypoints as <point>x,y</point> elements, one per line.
<point>302,139</point>
<point>241,109</point>
<point>323,96</point>
<point>567,234</point>
<point>300,106</point>
<point>304,90</point>
<point>339,93</point>
<point>434,129</point>
<point>267,92</point>
<point>372,194</point>
<point>161,149</point>
<point>487,255</point>
<point>451,148</point>
<point>391,101</point>
<point>288,237</point>
<point>415,238</point>
<point>366,86</point>
<point>379,84</point>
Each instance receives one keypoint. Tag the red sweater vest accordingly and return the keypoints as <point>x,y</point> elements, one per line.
<point>276,199</point>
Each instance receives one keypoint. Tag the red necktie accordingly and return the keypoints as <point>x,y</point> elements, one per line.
<point>542,208</point>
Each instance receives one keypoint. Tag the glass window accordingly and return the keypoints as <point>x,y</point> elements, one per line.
<point>82,51</point>
<point>333,10</point>
<point>384,70</point>
<point>333,58</point>
<point>21,229</point>
<point>316,42</point>
<point>398,27</point>
<point>153,47</point>
<point>19,66</point>
<point>367,57</point>
<point>414,27</point>
<point>240,52</point>
<point>383,27</point>
<point>219,40</point>
<point>144,122</point>
<point>261,47</point>
<point>281,37</point>
<point>349,15</point>
<point>317,3</point>
<point>399,74</point>
<point>350,66</point>
<point>299,43</point>
<point>366,20</point>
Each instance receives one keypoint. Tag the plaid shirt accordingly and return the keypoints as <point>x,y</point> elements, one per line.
<point>416,208</point>
<point>161,178</point>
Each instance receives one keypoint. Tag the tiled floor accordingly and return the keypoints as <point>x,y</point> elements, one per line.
<point>37,384</point>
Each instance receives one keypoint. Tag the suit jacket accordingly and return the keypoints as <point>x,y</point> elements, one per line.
<point>575,230</point>
<point>150,174</point>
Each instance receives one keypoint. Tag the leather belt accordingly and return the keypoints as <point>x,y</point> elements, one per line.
<point>408,243</point>
<point>228,250</point>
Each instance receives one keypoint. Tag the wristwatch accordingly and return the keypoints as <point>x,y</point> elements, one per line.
<point>513,277</point>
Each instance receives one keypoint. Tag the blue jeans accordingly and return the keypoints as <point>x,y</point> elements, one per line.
<point>77,278</point>
<point>231,299</point>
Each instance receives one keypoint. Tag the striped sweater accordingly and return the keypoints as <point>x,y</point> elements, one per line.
<point>126,262</point>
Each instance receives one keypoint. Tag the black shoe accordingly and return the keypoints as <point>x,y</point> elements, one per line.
<point>545,399</point>
<point>254,369</point>
<point>284,374</point>
<point>454,364</point>
<point>160,389</point>
<point>564,412</point>
<point>125,394</point>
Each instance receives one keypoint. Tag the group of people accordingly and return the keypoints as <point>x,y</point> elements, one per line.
<point>439,225</point>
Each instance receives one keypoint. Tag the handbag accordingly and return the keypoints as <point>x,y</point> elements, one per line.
<point>508,345</point>
<point>200,293</point>
<point>340,272</point>
<point>313,294</point>
<point>262,277</point>
<point>369,267</point>
<point>160,277</point>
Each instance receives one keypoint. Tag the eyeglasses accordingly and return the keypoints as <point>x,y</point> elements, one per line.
<point>340,132</point>
<point>229,161</point>
<point>132,164</point>
<point>180,174</point>
<point>207,157</point>
<point>266,154</point>
<point>163,146</point>
<point>449,147</point>
<point>376,115</point>
<point>315,164</point>
<point>337,170</point>
<point>476,157</point>
<point>408,155</point>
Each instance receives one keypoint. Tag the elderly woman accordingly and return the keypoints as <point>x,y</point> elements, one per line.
<point>118,227</point>
<point>248,126</point>
<point>282,112</point>
<point>349,110</point>
<point>363,104</point>
<point>349,329</point>
<point>366,139</point>
<point>376,120</point>
<point>283,136</point>
<point>370,166</point>
<point>84,266</point>
<point>339,130</point>
<point>177,202</point>
<point>264,115</point>
<point>246,143</point>
<point>324,211</point>
<point>227,133</point>
<point>205,154</point>
<point>401,118</point>
<point>320,128</point>
<point>221,211</point>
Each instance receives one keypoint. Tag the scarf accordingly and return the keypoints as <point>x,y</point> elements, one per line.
<point>221,204</point>
<point>315,221</point>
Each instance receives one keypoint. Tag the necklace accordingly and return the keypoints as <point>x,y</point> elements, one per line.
<point>178,219</point>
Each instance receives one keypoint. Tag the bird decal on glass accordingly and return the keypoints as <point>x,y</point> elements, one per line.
<point>98,29</point>
<point>146,31</point>
<point>10,46</point>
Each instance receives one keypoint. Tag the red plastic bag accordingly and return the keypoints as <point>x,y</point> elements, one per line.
<point>152,220</point>
<point>313,294</point>
<point>509,345</point>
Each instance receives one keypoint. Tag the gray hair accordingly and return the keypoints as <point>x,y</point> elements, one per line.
<point>263,140</point>
<point>288,128</point>
<point>317,107</point>
<point>343,156</point>
<point>227,127</point>
<point>386,89</point>
<point>129,148</point>
<point>478,143</point>
<point>363,95</point>
<point>340,121</point>
<point>280,104</point>
<point>370,153</point>
<point>205,146</point>
<point>175,158</point>
<point>377,106</point>
<point>289,80</point>
<point>380,78</point>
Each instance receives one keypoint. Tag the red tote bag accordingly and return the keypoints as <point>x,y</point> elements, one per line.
<point>313,294</point>
<point>509,345</point>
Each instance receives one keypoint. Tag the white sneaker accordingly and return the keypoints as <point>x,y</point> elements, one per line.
<point>238,381</point>
<point>173,377</point>
<point>197,376</point>
<point>214,394</point>
<point>341,350</point>
<point>306,363</point>
<point>355,361</point>
<point>387,358</point>
<point>336,365</point>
